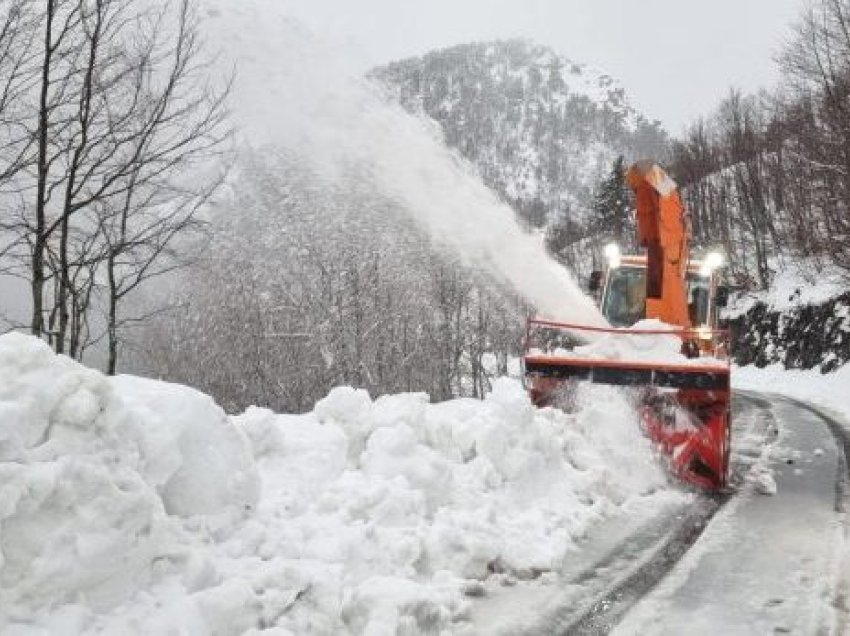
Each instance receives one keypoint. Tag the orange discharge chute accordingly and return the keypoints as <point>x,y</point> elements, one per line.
<point>662,230</point>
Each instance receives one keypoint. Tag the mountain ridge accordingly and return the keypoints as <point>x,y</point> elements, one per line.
<point>541,129</point>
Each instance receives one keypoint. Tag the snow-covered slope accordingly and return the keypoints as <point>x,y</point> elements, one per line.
<point>136,506</point>
<point>541,129</point>
<point>801,322</point>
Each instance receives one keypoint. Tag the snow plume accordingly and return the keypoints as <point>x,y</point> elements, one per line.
<point>131,506</point>
<point>294,92</point>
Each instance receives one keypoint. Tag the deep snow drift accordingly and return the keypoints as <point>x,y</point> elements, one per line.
<point>136,506</point>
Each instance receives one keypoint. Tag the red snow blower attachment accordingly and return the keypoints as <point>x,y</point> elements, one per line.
<point>677,360</point>
<point>683,403</point>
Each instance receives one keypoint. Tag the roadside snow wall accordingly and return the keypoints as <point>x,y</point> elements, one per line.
<point>805,336</point>
<point>134,506</point>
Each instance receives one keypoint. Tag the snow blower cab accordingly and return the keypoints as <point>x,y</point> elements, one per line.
<point>663,340</point>
<point>621,289</point>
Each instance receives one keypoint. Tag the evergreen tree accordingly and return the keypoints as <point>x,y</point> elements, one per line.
<point>611,211</point>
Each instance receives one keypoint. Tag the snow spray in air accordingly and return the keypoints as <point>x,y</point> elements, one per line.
<point>292,90</point>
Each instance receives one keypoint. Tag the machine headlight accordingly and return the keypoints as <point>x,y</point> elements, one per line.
<point>712,261</point>
<point>612,253</point>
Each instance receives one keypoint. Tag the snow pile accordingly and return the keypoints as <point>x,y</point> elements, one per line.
<point>664,347</point>
<point>88,478</point>
<point>134,506</point>
<point>649,347</point>
<point>763,480</point>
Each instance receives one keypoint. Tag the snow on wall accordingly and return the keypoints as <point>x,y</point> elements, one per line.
<point>795,335</point>
<point>137,506</point>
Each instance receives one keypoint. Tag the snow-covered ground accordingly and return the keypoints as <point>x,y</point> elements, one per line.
<point>794,285</point>
<point>135,506</point>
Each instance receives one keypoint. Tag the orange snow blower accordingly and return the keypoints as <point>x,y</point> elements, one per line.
<point>684,388</point>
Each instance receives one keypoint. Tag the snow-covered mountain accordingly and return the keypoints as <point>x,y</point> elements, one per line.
<point>540,128</point>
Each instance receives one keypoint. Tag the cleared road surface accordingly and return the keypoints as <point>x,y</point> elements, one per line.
<point>746,562</point>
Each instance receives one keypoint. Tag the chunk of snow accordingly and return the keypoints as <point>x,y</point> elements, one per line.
<point>89,468</point>
<point>763,482</point>
<point>212,468</point>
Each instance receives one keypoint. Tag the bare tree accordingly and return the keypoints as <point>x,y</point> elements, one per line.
<point>18,75</point>
<point>769,175</point>
<point>817,63</point>
<point>309,284</point>
<point>124,118</point>
<point>17,55</point>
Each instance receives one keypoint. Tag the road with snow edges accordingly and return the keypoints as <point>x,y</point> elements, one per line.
<point>130,505</point>
<point>745,562</point>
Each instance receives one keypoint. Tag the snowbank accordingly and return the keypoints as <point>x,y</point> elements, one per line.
<point>829,390</point>
<point>794,286</point>
<point>90,469</point>
<point>135,506</point>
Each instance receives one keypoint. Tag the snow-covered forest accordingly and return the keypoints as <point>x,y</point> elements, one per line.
<point>306,285</point>
<point>767,175</point>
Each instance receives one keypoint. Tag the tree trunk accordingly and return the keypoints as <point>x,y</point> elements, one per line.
<point>38,278</point>
<point>112,317</point>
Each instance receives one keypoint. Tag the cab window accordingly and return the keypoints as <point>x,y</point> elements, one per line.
<point>698,294</point>
<point>625,296</point>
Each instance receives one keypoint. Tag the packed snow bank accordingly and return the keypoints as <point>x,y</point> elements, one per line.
<point>90,469</point>
<point>794,286</point>
<point>134,506</point>
<point>199,462</point>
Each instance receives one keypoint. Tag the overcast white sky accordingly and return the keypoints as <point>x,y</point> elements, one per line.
<point>676,58</point>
